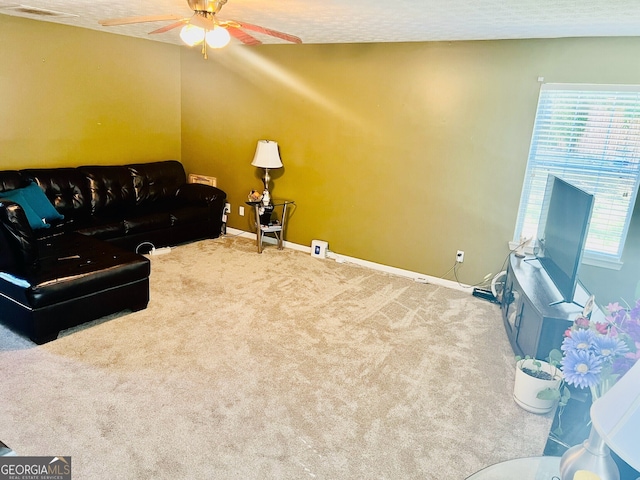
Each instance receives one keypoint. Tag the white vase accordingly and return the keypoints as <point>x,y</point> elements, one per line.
<point>526,387</point>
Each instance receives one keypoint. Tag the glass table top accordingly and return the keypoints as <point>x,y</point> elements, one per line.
<point>529,468</point>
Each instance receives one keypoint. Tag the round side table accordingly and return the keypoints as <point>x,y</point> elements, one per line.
<point>530,468</point>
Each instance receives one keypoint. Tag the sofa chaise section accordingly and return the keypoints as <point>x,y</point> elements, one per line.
<point>64,289</point>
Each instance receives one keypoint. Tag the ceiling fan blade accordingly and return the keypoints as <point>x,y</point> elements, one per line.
<point>268,31</point>
<point>171,26</point>
<point>203,22</point>
<point>148,18</point>
<point>244,37</point>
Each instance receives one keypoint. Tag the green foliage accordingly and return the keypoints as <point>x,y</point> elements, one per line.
<point>549,394</point>
<point>555,357</point>
<point>562,394</point>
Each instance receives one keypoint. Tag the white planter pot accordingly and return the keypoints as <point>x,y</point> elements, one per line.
<point>526,387</point>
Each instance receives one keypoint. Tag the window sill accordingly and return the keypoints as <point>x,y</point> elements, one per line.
<point>599,262</point>
<point>586,259</point>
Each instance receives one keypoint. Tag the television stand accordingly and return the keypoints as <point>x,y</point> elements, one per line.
<point>534,321</point>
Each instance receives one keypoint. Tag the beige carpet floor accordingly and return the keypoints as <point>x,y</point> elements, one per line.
<point>279,365</point>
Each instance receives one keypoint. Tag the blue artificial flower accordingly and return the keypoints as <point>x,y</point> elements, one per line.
<point>581,368</point>
<point>608,347</point>
<point>579,340</point>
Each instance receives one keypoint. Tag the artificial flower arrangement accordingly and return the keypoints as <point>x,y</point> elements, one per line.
<point>596,354</point>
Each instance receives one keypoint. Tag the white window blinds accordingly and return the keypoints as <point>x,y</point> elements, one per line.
<point>588,135</point>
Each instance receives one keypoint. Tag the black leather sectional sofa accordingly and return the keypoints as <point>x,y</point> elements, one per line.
<point>80,260</point>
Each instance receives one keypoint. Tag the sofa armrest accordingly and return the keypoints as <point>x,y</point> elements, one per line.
<point>18,247</point>
<point>199,193</point>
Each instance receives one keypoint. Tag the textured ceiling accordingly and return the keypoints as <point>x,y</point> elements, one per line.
<point>351,21</point>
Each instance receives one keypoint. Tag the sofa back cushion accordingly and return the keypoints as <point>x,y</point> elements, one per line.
<point>11,179</point>
<point>66,189</point>
<point>157,182</point>
<point>111,189</point>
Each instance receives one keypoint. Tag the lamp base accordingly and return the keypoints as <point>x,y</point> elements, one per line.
<point>592,456</point>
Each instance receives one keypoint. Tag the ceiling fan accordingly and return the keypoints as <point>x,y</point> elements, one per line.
<point>205,27</point>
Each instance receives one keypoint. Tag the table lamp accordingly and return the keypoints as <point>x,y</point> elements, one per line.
<point>267,156</point>
<point>615,425</point>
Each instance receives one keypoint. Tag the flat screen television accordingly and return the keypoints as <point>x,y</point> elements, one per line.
<point>562,233</point>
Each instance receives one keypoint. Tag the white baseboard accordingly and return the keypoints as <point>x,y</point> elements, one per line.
<point>418,277</point>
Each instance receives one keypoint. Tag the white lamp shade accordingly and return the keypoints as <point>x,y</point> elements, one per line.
<point>218,37</point>
<point>616,417</point>
<point>267,155</point>
<point>192,35</point>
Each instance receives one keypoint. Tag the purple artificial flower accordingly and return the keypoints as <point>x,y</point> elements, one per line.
<point>578,340</point>
<point>633,330</point>
<point>613,307</point>
<point>607,347</point>
<point>617,317</point>
<point>625,322</point>
<point>581,368</point>
<point>622,365</point>
<point>636,354</point>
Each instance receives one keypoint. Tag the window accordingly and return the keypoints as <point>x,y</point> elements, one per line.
<point>588,135</point>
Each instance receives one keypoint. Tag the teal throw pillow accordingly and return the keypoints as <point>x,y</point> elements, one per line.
<point>40,203</point>
<point>35,221</point>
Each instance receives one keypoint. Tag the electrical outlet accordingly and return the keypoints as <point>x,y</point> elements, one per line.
<point>227,208</point>
<point>459,256</point>
<point>241,211</point>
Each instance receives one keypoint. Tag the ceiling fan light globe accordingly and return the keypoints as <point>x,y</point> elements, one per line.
<point>218,37</point>
<point>192,35</point>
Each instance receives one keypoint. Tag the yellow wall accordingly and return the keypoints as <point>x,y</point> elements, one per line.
<point>72,96</point>
<point>395,153</point>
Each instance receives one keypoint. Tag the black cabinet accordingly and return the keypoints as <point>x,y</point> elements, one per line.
<point>535,326</point>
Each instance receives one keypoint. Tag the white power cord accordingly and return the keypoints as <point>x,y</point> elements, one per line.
<point>154,251</point>
<point>498,279</point>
